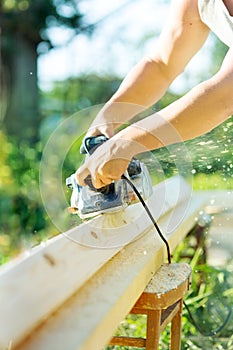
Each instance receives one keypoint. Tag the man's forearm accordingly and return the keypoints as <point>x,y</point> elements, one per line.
<point>194,114</point>
<point>145,84</point>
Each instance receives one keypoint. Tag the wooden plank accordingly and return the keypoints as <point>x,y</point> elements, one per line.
<point>89,318</point>
<point>39,282</point>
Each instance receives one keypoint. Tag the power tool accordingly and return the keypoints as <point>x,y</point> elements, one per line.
<point>87,201</point>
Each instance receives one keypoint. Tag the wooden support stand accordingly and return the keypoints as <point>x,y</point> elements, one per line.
<point>162,302</point>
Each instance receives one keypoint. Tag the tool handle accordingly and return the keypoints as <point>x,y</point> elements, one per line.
<point>90,143</point>
<point>104,190</point>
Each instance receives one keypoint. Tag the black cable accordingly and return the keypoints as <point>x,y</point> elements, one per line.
<point>211,333</point>
<point>151,217</point>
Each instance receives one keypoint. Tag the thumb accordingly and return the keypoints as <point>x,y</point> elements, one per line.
<point>81,175</point>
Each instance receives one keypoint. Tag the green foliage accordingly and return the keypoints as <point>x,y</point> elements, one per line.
<point>215,181</point>
<point>210,154</point>
<point>23,220</point>
<point>25,31</point>
<point>219,51</point>
<point>74,94</point>
<point>213,151</point>
<point>31,18</point>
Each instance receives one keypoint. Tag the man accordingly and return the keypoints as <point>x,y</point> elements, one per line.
<point>200,110</point>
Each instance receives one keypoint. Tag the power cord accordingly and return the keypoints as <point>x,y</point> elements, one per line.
<point>211,333</point>
<point>151,217</point>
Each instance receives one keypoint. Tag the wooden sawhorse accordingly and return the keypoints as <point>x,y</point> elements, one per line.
<point>162,302</point>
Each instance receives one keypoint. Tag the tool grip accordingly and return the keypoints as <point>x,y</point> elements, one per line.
<point>90,144</point>
<point>104,190</point>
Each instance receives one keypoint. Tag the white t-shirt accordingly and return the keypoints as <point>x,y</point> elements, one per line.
<point>216,16</point>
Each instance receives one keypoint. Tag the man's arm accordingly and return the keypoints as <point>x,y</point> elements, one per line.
<point>200,110</point>
<point>146,83</point>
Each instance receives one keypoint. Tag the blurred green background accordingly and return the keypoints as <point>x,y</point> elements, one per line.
<point>30,110</point>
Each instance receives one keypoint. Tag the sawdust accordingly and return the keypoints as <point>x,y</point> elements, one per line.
<point>168,277</point>
<point>115,220</point>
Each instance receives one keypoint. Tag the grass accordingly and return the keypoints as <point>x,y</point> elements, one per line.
<point>215,181</point>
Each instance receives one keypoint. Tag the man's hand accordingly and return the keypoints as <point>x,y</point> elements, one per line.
<point>106,164</point>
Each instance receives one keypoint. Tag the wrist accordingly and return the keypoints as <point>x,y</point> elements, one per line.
<point>127,143</point>
<point>116,113</point>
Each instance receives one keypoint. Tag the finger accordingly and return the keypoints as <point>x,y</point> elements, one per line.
<point>99,182</point>
<point>81,175</point>
<point>113,170</point>
<point>106,130</point>
<point>93,133</point>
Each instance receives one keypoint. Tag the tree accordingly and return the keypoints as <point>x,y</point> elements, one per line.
<point>24,26</point>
